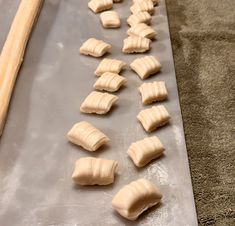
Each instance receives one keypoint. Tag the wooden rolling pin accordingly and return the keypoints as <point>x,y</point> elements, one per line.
<point>13,50</point>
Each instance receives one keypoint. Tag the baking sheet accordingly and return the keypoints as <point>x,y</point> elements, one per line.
<point>36,161</point>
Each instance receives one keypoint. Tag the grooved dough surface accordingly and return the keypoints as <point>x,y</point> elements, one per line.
<point>94,171</point>
<point>36,160</point>
<point>135,198</point>
<point>110,19</point>
<point>136,44</point>
<point>141,17</point>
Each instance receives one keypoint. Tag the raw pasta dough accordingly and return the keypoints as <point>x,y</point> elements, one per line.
<point>145,66</point>
<point>91,171</point>
<point>140,17</point>
<point>153,117</point>
<point>100,5</point>
<point>99,103</point>
<point>155,2</point>
<point>13,50</point>
<point>153,91</point>
<point>110,82</point>
<point>110,19</point>
<point>142,6</point>
<point>136,197</point>
<point>142,30</point>
<point>86,135</point>
<point>109,65</point>
<point>94,47</point>
<point>143,151</point>
<point>136,44</point>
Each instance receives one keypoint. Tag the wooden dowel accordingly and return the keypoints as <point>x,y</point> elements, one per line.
<point>13,50</point>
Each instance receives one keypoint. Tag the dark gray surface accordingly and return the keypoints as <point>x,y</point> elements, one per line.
<point>36,161</point>
<point>203,39</point>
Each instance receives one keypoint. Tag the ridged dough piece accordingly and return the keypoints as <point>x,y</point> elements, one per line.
<point>109,65</point>
<point>143,6</point>
<point>98,103</point>
<point>153,91</point>
<point>136,197</point>
<point>110,82</point>
<point>136,44</point>
<point>145,66</point>
<point>87,136</point>
<point>110,19</point>
<point>155,2</point>
<point>140,17</point>
<point>153,117</point>
<point>142,30</point>
<point>94,47</point>
<point>94,171</point>
<point>144,151</point>
<point>98,6</point>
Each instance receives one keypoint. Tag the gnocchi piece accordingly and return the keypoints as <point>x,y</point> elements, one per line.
<point>110,19</point>
<point>140,17</point>
<point>142,30</point>
<point>153,117</point>
<point>144,151</point>
<point>154,91</point>
<point>136,44</point>
<point>98,103</point>
<point>87,136</point>
<point>110,82</point>
<point>109,65</point>
<point>98,6</point>
<point>142,6</point>
<point>145,66</point>
<point>136,197</point>
<point>155,2</point>
<point>94,47</point>
<point>94,171</point>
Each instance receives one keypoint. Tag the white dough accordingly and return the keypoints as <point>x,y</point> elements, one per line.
<point>145,66</point>
<point>98,103</point>
<point>136,197</point>
<point>142,30</point>
<point>153,91</point>
<point>143,151</point>
<point>98,6</point>
<point>155,2</point>
<point>94,47</point>
<point>142,6</point>
<point>136,44</point>
<point>140,17</point>
<point>110,82</point>
<point>87,136</point>
<point>109,65</point>
<point>110,19</point>
<point>94,171</point>
<point>153,117</point>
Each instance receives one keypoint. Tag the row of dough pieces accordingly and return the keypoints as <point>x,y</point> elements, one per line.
<point>98,6</point>
<point>132,44</point>
<point>141,152</point>
<point>90,171</point>
<point>132,199</point>
<point>142,10</point>
<point>140,33</point>
<point>110,80</point>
